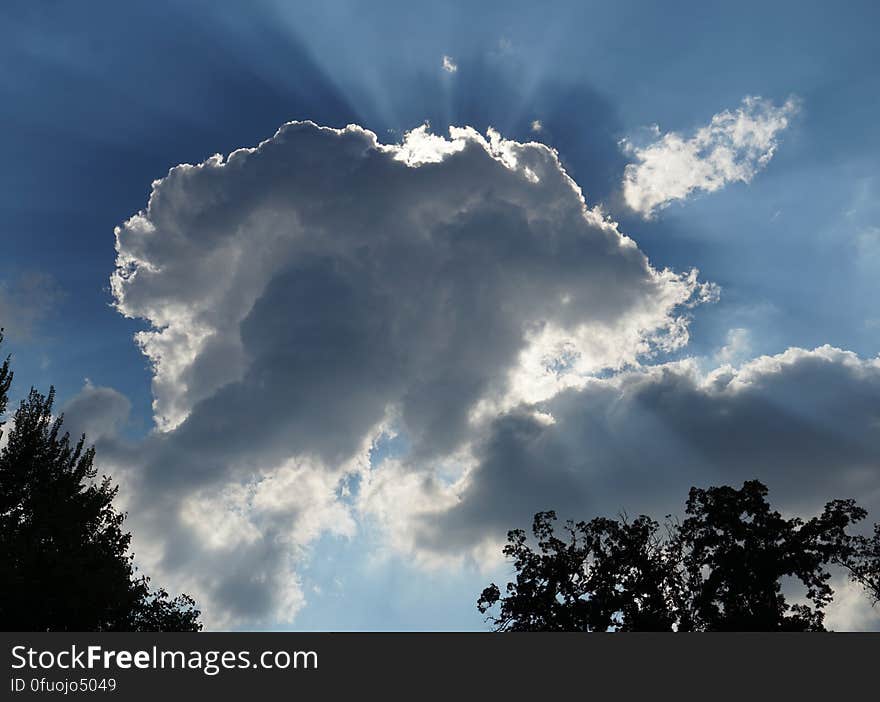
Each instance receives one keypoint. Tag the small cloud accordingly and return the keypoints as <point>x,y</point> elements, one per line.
<point>734,146</point>
<point>537,126</point>
<point>449,65</point>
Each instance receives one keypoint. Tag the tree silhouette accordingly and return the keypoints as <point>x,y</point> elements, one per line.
<point>721,569</point>
<point>604,574</point>
<point>737,550</point>
<point>64,561</point>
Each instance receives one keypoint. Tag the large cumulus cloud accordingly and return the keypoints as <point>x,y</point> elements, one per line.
<point>465,249</point>
<point>308,294</point>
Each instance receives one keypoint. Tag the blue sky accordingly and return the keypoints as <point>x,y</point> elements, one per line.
<point>97,101</point>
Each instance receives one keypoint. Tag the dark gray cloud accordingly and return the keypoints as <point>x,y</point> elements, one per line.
<point>96,411</point>
<point>804,422</point>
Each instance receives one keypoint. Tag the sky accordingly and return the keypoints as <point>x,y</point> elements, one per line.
<point>343,291</point>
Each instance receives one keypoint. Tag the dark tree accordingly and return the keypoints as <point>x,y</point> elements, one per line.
<point>736,551</point>
<point>64,561</point>
<point>603,574</point>
<point>721,569</point>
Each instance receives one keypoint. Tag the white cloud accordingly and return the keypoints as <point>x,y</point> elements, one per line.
<point>537,126</point>
<point>734,146</point>
<point>305,294</point>
<point>449,65</point>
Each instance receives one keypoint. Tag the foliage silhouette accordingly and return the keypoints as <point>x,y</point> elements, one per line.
<point>64,561</point>
<point>721,569</point>
<point>605,574</point>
